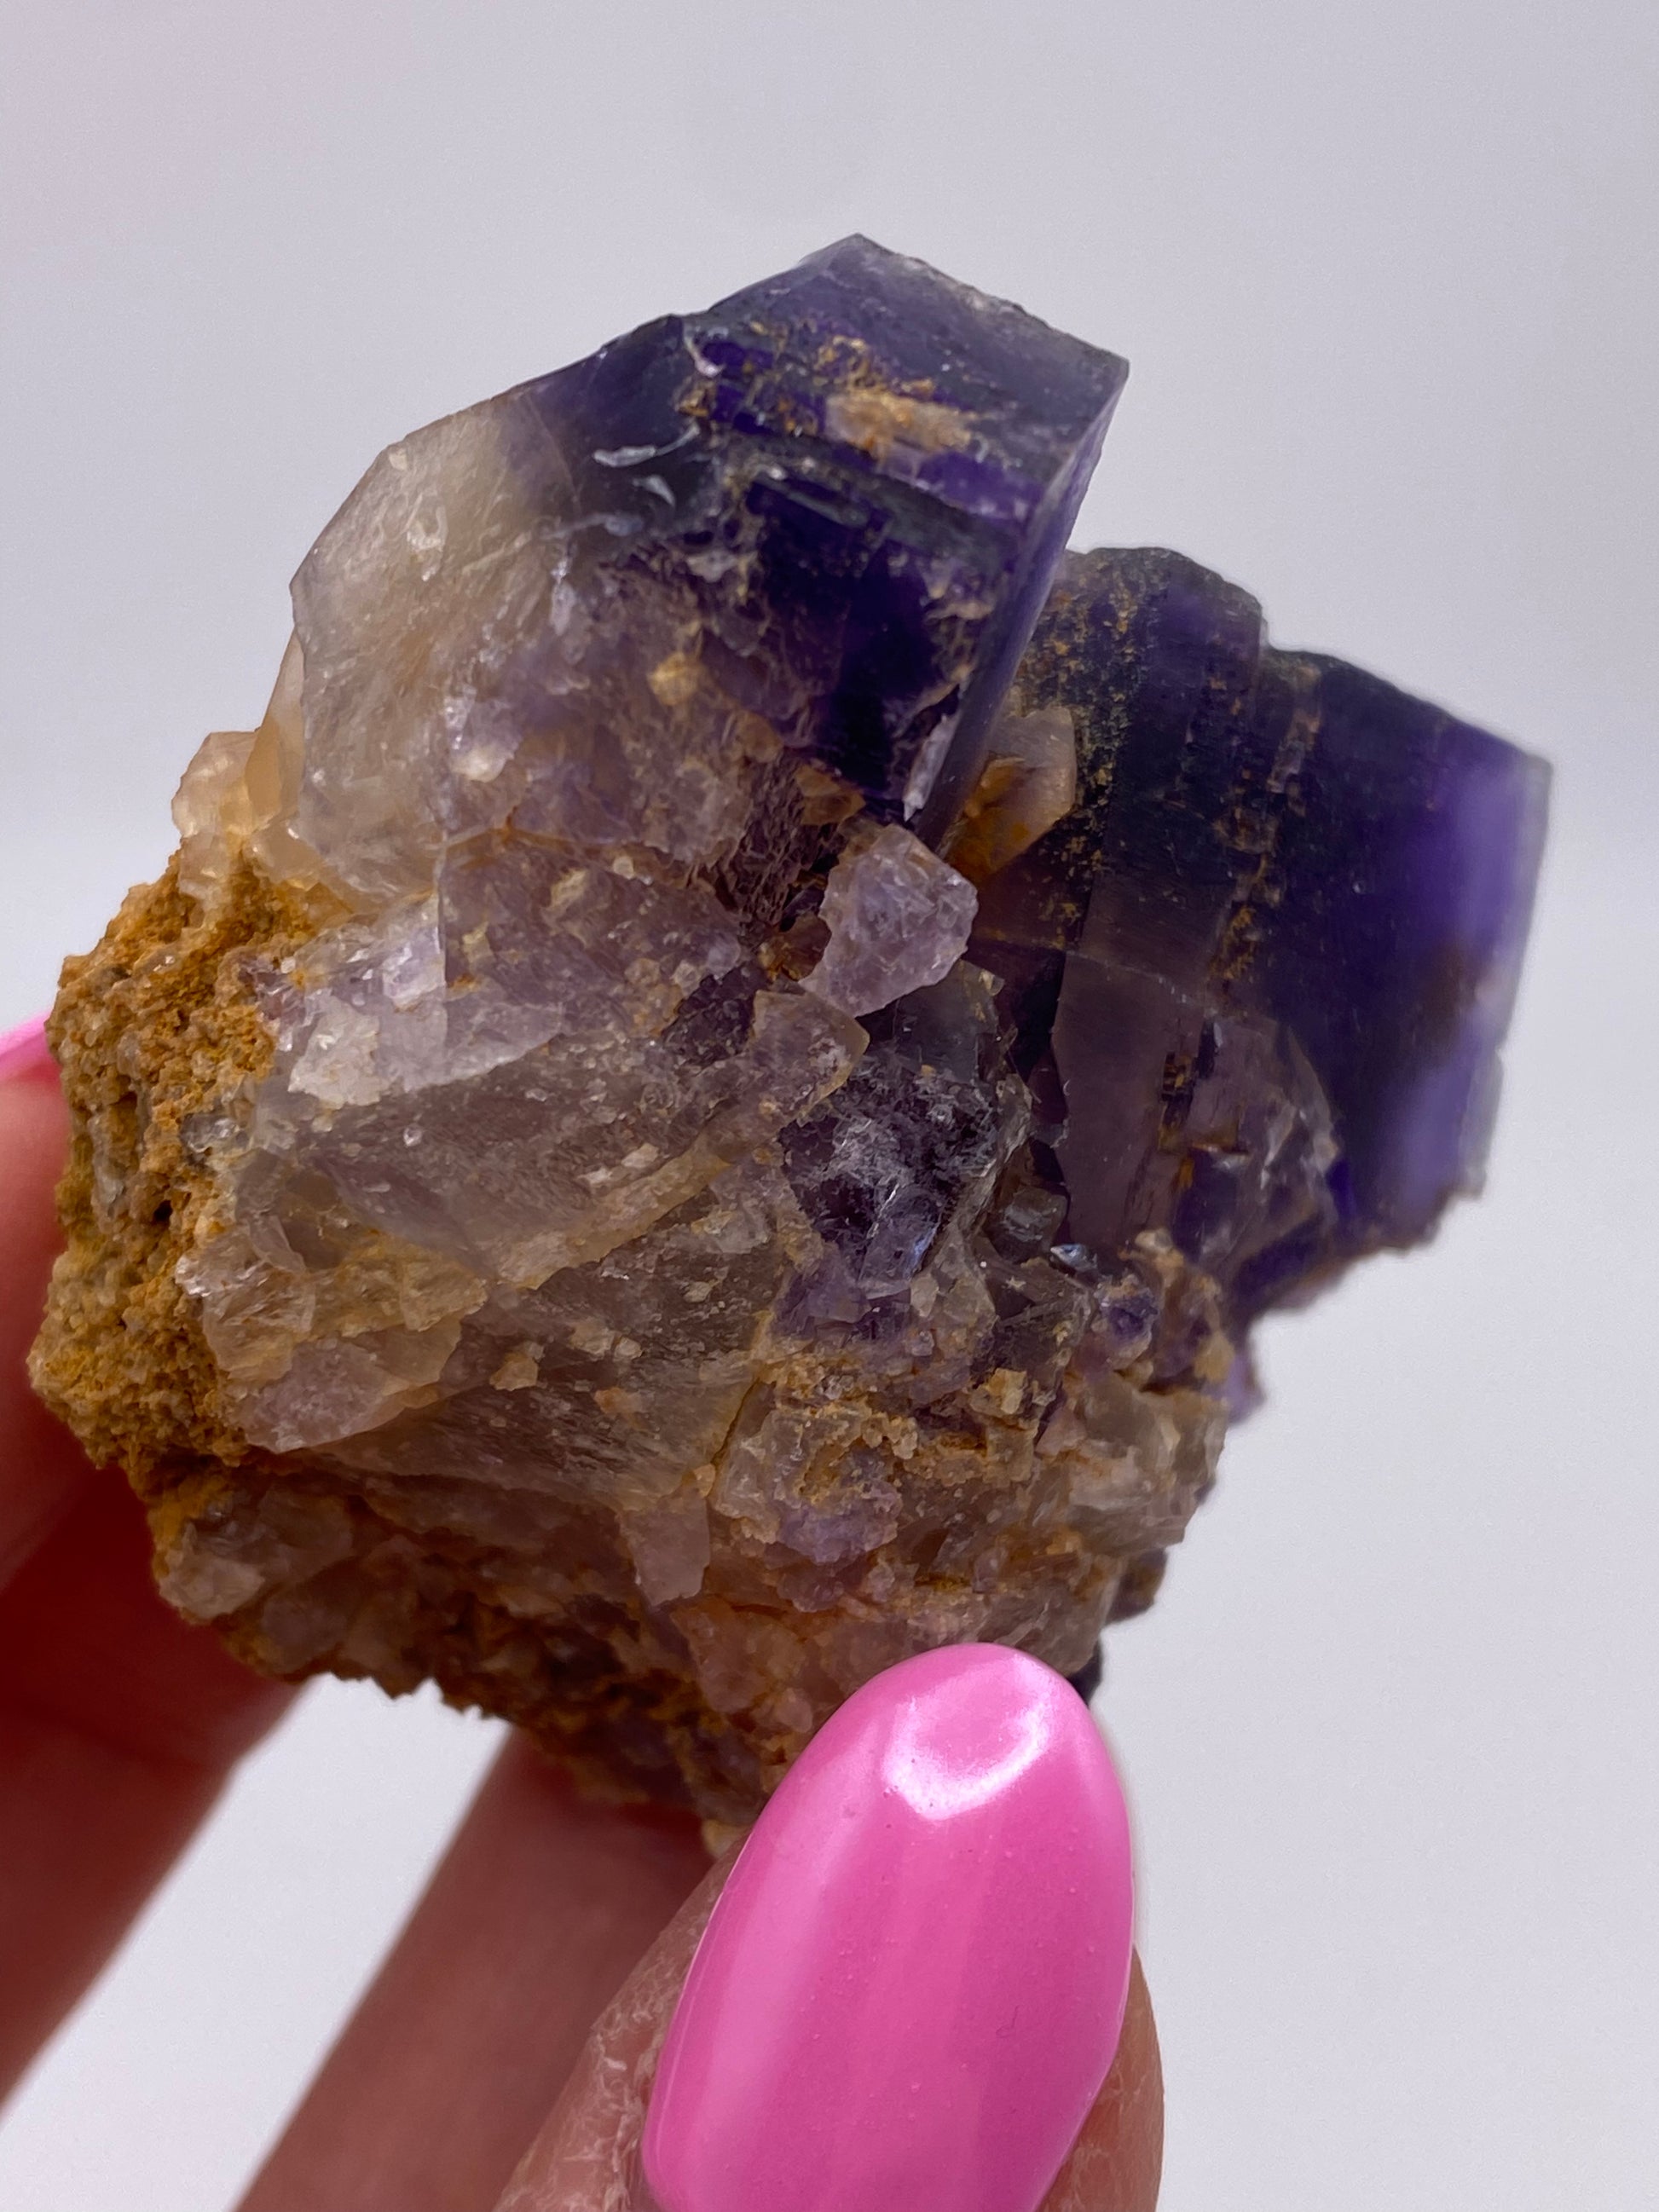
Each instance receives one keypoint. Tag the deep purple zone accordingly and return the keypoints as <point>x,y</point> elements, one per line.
<point>1409,862</point>
<point>882,592</point>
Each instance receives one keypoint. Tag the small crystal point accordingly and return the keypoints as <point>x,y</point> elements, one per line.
<point>898,918</point>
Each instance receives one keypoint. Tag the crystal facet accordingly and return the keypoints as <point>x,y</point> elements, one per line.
<point>687,1123</point>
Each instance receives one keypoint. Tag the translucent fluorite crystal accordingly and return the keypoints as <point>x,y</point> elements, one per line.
<point>1261,969</point>
<point>686,1122</point>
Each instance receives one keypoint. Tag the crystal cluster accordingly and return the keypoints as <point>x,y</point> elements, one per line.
<point>709,1101</point>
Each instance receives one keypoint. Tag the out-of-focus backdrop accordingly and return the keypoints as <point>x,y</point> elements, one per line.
<point>1386,278</point>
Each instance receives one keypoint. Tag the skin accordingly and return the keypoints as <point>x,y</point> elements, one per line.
<point>550,1942</point>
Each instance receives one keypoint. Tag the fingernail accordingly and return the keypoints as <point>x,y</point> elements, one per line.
<point>24,1052</point>
<point>911,1988</point>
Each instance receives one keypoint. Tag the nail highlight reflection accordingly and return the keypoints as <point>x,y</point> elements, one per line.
<point>940,1778</point>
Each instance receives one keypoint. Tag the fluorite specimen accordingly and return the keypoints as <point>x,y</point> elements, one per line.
<point>686,1122</point>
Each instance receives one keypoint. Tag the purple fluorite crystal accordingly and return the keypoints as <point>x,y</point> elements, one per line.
<point>1261,972</point>
<point>703,1107</point>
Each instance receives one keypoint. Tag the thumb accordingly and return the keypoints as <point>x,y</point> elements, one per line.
<point>912,1986</point>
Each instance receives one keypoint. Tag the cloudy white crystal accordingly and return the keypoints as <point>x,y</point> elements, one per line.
<point>899,917</point>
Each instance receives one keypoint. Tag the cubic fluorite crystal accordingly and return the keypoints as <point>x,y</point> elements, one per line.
<point>702,1107</point>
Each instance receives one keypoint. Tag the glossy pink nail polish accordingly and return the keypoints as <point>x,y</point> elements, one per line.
<point>24,1051</point>
<point>911,1991</point>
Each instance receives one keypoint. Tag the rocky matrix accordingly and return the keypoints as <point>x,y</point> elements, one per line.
<point>703,1109</point>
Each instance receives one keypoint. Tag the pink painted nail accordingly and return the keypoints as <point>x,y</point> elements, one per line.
<point>912,1986</point>
<point>24,1052</point>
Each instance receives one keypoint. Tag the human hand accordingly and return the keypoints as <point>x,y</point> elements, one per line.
<point>473,2066</point>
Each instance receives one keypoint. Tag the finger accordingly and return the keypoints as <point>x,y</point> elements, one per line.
<point>41,1467</point>
<point>910,1989</point>
<point>1118,2160</point>
<point>118,1725</point>
<point>586,2157</point>
<point>541,1908</point>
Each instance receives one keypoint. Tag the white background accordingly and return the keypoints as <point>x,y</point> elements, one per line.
<point>1386,276</point>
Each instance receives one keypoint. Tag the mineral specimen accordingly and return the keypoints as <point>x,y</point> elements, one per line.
<point>686,1122</point>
